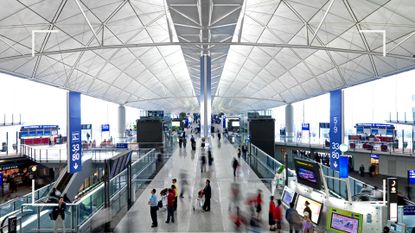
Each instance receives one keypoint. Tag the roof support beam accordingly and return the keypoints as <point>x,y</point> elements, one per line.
<point>217,44</point>
<point>87,21</point>
<point>322,20</point>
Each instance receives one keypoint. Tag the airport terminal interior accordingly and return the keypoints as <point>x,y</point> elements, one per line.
<point>207,116</point>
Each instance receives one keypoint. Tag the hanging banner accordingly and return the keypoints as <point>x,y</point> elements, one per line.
<point>74,132</point>
<point>336,133</point>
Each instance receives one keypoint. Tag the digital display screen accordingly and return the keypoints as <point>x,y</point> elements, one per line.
<point>287,197</point>
<point>411,176</point>
<point>307,175</point>
<point>345,224</point>
<point>315,207</point>
<point>175,123</point>
<point>235,124</point>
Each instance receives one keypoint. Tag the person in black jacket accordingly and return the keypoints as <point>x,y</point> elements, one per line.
<point>208,195</point>
<point>58,213</point>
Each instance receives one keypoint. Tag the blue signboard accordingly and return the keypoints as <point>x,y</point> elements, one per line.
<point>375,125</point>
<point>40,127</point>
<point>1,179</point>
<point>408,210</point>
<point>305,126</point>
<point>336,127</point>
<point>224,122</point>
<point>374,156</point>
<point>74,132</point>
<point>105,127</point>
<point>411,176</point>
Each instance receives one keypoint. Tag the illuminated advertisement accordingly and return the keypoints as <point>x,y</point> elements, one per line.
<point>315,207</point>
<point>343,221</point>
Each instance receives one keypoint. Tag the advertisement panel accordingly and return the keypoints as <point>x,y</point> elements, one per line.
<point>343,221</point>
<point>74,132</point>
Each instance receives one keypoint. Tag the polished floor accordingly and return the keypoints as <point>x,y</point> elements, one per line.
<point>189,220</point>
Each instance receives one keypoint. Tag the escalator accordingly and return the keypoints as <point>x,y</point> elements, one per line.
<point>66,183</point>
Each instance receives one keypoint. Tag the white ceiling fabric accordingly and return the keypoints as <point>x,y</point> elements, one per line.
<point>281,51</point>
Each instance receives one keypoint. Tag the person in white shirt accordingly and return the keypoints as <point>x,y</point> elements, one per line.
<point>376,193</point>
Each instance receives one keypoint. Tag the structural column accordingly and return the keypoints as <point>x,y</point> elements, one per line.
<point>205,95</point>
<point>289,122</point>
<point>121,121</point>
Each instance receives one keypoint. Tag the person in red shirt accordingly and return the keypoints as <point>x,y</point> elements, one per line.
<point>271,214</point>
<point>258,204</point>
<point>170,205</point>
<point>278,215</point>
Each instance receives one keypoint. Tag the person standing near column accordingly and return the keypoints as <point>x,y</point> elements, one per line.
<point>59,215</point>
<point>207,191</point>
<point>152,202</point>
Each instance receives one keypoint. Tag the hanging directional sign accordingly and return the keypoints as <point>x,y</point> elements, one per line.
<point>74,132</point>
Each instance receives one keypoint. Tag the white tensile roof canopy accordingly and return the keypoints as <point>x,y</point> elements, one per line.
<point>265,53</point>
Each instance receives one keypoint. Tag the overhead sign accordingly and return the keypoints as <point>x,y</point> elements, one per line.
<point>105,127</point>
<point>39,127</point>
<point>86,126</point>
<point>393,199</point>
<point>374,156</point>
<point>336,134</point>
<point>375,125</point>
<point>74,132</point>
<point>305,126</point>
<point>1,179</point>
<point>411,176</point>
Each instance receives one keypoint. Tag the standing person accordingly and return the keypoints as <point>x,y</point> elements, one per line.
<point>208,195</point>
<point>193,142</point>
<point>362,170</point>
<point>152,202</point>
<point>258,204</point>
<point>203,143</point>
<point>235,165</point>
<point>180,141</point>
<point>293,219</point>
<point>176,192</point>
<point>58,214</point>
<point>219,135</point>
<point>307,225</point>
<point>170,206</point>
<point>271,214</point>
<point>203,163</point>
<point>184,139</point>
<point>239,153</point>
<point>244,149</point>
<point>278,215</point>
<point>307,209</point>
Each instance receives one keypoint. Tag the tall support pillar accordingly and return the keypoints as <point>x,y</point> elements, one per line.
<point>121,121</point>
<point>289,123</point>
<point>205,95</point>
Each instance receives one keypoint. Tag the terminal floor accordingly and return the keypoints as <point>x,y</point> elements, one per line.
<point>188,220</point>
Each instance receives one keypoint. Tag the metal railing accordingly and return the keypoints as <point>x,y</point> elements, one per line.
<point>58,154</point>
<point>267,167</point>
<point>16,203</point>
<point>78,214</point>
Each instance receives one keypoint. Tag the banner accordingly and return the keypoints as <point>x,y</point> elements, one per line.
<point>336,133</point>
<point>74,132</point>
